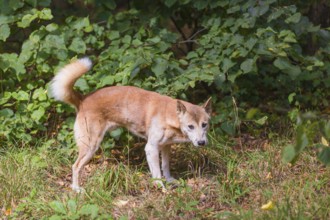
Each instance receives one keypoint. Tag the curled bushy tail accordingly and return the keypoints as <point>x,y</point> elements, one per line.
<point>61,87</point>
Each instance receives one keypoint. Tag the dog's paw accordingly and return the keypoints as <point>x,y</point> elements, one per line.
<point>171,180</point>
<point>158,184</point>
<point>172,183</point>
<point>77,189</point>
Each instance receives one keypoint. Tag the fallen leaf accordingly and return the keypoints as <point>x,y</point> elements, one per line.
<point>269,176</point>
<point>268,206</point>
<point>121,203</point>
<point>324,141</point>
<point>8,212</point>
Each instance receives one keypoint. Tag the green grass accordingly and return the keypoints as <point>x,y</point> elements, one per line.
<point>220,181</point>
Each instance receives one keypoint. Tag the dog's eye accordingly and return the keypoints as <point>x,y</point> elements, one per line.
<point>204,125</point>
<point>191,127</point>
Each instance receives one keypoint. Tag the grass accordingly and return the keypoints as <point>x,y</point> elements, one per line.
<point>221,181</point>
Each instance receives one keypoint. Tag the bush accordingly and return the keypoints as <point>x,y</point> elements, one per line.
<point>248,54</point>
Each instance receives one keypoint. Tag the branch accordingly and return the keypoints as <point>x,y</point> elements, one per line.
<point>178,28</point>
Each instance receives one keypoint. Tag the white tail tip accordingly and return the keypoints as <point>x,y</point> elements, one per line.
<point>86,62</point>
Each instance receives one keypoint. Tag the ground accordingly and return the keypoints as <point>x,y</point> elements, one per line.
<point>224,180</point>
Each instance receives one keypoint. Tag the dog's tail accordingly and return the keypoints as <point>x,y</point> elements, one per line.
<point>61,87</point>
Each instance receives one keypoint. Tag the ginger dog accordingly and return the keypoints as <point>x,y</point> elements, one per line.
<point>159,119</point>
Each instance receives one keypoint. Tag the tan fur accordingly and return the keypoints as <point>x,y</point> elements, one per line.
<point>159,119</point>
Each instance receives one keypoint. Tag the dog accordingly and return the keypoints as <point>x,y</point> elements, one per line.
<point>159,119</point>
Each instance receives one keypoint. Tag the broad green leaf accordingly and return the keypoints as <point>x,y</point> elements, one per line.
<point>11,61</point>
<point>28,48</point>
<point>72,206</point>
<point>219,79</point>
<point>80,23</point>
<point>27,19</point>
<point>78,45</point>
<point>116,133</point>
<point>107,81</point>
<point>325,129</point>
<point>6,113</point>
<point>259,10</point>
<point>45,14</point>
<point>227,64</point>
<point>250,43</point>
<point>301,139</point>
<point>288,36</point>
<point>89,210</point>
<point>228,127</point>
<point>82,84</point>
<point>15,4</point>
<point>247,65</point>
<point>295,18</point>
<point>251,113</point>
<point>291,97</point>
<point>134,72</point>
<point>276,14</point>
<point>4,97</point>
<point>154,40</point>
<point>52,27</point>
<point>55,41</point>
<point>159,66</point>
<point>324,156</point>
<point>37,114</point>
<point>113,35</point>
<point>233,75</point>
<point>262,121</point>
<point>237,39</point>
<point>40,94</point>
<point>233,9</point>
<point>289,154</point>
<point>127,39</point>
<point>21,95</point>
<point>136,42</point>
<point>287,67</point>
<point>192,55</point>
<point>4,32</point>
<point>58,207</point>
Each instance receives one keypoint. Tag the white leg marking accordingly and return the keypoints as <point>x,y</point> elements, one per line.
<point>166,153</point>
<point>152,153</point>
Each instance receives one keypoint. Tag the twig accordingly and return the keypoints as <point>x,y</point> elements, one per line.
<point>178,28</point>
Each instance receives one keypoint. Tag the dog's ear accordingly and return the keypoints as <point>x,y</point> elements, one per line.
<point>180,108</point>
<point>208,106</point>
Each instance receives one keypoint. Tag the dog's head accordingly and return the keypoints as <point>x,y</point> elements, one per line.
<point>194,121</point>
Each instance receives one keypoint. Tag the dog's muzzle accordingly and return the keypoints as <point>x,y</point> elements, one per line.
<point>201,143</point>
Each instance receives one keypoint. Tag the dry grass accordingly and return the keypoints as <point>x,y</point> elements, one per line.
<point>220,181</point>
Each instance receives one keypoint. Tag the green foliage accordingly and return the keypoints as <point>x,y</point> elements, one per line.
<point>70,210</point>
<point>250,56</point>
<point>311,130</point>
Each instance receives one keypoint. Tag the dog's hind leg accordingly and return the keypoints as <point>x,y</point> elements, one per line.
<point>88,137</point>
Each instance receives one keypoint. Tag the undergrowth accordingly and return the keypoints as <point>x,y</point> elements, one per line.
<point>222,181</point>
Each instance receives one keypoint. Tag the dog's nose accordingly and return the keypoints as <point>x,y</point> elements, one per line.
<point>201,143</point>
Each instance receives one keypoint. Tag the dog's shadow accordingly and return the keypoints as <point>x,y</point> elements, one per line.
<point>186,161</point>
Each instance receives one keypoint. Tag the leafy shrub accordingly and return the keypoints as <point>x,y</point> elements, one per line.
<point>246,54</point>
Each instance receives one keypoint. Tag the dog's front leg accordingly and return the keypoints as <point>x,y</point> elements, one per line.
<point>166,153</point>
<point>152,152</point>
